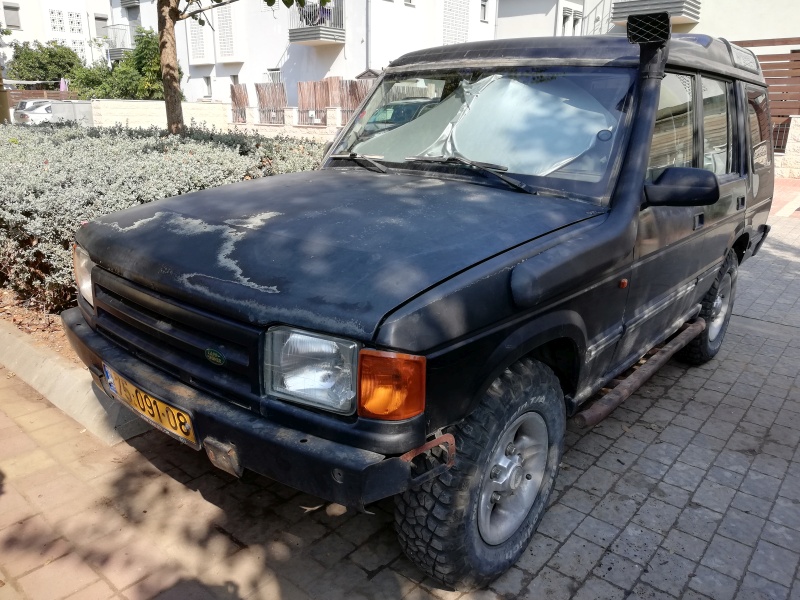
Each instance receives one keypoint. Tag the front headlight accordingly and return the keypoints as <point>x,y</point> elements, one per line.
<point>311,369</point>
<point>83,272</point>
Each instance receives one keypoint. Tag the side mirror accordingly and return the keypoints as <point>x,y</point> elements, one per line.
<point>682,186</point>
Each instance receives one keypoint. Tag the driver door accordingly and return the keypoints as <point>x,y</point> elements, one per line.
<point>667,254</point>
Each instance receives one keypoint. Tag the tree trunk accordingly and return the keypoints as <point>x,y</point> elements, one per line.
<point>167,16</point>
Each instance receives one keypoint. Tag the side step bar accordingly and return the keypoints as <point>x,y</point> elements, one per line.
<point>602,407</point>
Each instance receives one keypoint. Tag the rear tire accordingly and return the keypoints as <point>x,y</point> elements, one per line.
<point>717,310</point>
<point>470,524</point>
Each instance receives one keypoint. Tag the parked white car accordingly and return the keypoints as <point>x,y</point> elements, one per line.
<point>25,105</point>
<point>40,112</point>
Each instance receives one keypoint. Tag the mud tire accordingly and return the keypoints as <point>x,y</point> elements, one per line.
<point>706,345</point>
<point>437,523</point>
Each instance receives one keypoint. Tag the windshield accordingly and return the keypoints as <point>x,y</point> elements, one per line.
<point>553,128</point>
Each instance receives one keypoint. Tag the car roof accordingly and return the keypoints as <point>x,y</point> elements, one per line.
<point>39,104</point>
<point>692,51</point>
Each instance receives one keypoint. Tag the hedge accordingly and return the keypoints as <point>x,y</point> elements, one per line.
<point>53,177</point>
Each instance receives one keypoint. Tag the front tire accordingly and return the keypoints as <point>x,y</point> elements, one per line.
<point>717,310</point>
<point>470,524</point>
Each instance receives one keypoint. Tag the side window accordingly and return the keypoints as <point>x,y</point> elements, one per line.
<point>716,126</point>
<point>673,137</point>
<point>758,124</point>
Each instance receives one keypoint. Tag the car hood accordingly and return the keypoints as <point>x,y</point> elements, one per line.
<point>330,250</point>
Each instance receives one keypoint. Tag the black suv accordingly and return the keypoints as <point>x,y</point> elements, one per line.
<point>419,317</point>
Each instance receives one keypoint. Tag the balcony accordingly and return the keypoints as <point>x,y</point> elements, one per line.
<point>120,40</point>
<point>315,25</point>
<point>680,11</point>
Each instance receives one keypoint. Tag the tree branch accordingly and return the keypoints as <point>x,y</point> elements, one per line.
<point>202,10</point>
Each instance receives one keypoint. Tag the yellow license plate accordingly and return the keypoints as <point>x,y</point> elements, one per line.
<point>165,416</point>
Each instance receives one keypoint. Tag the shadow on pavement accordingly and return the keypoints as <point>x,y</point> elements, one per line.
<point>261,537</point>
<point>192,589</point>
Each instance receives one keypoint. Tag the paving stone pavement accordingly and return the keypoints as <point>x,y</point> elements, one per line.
<point>691,489</point>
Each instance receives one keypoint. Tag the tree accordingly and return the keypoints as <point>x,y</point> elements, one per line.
<point>171,12</point>
<point>5,115</point>
<point>136,77</point>
<point>41,62</point>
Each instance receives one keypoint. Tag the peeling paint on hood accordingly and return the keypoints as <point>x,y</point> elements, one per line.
<point>331,250</point>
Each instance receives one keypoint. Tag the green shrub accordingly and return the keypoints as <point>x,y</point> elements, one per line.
<point>53,177</point>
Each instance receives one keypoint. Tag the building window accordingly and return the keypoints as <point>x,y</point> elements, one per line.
<point>577,17</point>
<point>133,14</point>
<point>409,2</point>
<point>273,76</point>
<point>484,10</point>
<point>11,16</point>
<point>75,23</point>
<point>100,24</point>
<point>57,20</point>
<point>208,86</point>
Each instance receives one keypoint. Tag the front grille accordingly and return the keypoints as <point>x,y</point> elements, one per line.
<point>178,338</point>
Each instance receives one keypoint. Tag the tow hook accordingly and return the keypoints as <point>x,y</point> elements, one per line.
<point>223,456</point>
<point>449,442</point>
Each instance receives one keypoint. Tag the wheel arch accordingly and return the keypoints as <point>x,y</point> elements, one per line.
<point>740,245</point>
<point>558,340</point>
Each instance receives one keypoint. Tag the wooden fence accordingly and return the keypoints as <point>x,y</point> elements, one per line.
<point>353,91</point>
<point>313,97</point>
<point>271,102</point>
<point>239,102</point>
<point>15,96</point>
<point>782,73</point>
<point>402,92</point>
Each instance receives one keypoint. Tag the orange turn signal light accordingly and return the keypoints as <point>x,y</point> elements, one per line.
<point>391,386</point>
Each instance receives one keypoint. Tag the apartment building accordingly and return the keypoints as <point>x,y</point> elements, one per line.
<point>533,18</point>
<point>76,24</point>
<point>731,19</point>
<point>250,42</point>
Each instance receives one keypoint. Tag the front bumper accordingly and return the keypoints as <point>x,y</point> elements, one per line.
<point>330,470</point>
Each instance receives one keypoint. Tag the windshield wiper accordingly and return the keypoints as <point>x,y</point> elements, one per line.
<point>483,167</point>
<point>355,156</point>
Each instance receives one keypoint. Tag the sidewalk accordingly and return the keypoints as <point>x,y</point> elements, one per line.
<point>691,489</point>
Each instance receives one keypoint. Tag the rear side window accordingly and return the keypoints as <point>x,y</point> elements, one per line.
<point>758,124</point>
<point>716,126</point>
<point>673,136</point>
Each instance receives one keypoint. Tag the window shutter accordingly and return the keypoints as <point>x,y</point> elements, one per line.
<point>225,32</point>
<point>57,20</point>
<point>11,16</point>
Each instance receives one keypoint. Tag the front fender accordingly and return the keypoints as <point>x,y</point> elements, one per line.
<point>460,374</point>
<point>538,333</point>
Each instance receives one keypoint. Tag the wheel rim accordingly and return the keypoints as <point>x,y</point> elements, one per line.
<point>719,310</point>
<point>514,477</point>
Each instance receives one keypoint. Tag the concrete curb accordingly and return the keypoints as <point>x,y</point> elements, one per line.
<point>67,386</point>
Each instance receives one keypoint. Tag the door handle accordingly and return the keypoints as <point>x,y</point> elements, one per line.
<point>740,202</point>
<point>699,221</point>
